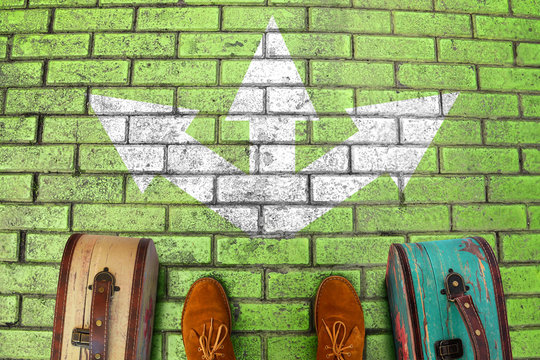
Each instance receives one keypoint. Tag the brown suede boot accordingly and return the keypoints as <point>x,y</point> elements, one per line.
<point>339,321</point>
<point>206,322</point>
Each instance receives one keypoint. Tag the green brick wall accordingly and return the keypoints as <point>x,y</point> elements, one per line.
<point>60,174</point>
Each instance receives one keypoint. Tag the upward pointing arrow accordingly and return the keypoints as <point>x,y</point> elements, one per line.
<point>280,98</point>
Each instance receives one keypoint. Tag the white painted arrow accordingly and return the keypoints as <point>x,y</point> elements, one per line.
<point>272,200</point>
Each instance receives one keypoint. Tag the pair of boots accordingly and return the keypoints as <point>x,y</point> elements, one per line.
<point>339,321</point>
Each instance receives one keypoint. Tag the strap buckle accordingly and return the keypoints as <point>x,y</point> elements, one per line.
<point>454,285</point>
<point>449,349</point>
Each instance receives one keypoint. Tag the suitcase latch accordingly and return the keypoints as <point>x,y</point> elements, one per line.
<point>454,285</point>
<point>449,349</point>
<point>80,337</point>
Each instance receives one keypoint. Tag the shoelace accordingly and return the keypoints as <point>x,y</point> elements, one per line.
<point>210,351</point>
<point>338,351</point>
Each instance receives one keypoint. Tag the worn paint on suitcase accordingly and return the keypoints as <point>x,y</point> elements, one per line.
<point>105,299</point>
<point>424,309</point>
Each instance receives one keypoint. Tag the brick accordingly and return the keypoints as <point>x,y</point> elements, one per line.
<point>37,311</point>
<point>509,79</point>
<point>251,251</point>
<point>135,2</point>
<point>270,316</point>
<point>351,73</point>
<point>489,217</point>
<point>16,342</point>
<point>472,7</point>
<point>525,7</point>
<point>512,132</point>
<point>96,72</point>
<point>489,237</point>
<point>534,217</point>
<point>97,19</point>
<point>350,20</point>
<point>331,101</point>
<point>24,21</point>
<point>380,347</point>
<point>98,217</point>
<point>16,187</point>
<point>267,72</point>
<point>3,46</point>
<point>459,132</point>
<point>202,219</point>
<point>353,250</point>
<point>437,76</point>
<point>21,73</point>
<point>18,129</point>
<point>34,279</point>
<point>394,4</point>
<point>475,51</point>
<point>479,160</point>
<point>371,97</point>
<point>520,247</point>
<point>237,283</point>
<point>164,191</point>
<point>331,3</point>
<point>9,246</point>
<point>514,188</point>
<point>60,3</point>
<point>175,72</point>
<point>167,315</point>
<point>313,45</point>
<point>45,247</point>
<point>445,190</point>
<point>476,104</point>
<point>178,19</point>
<point>11,4</point>
<point>224,2</point>
<point>393,48</point>
<point>183,250</point>
<point>337,220</point>
<point>524,344</point>
<point>303,283</point>
<point>46,100</point>
<point>375,284</point>
<point>376,314</point>
<point>50,46</point>
<point>209,100</point>
<point>211,45</point>
<point>405,218</point>
<point>528,54</point>
<point>521,279</point>
<point>262,189</point>
<point>9,309</point>
<point>256,18</point>
<point>96,158</point>
<point>67,188</point>
<point>506,28</point>
<point>60,129</point>
<point>154,95</point>
<point>431,24</point>
<point>383,190</point>
<point>289,347</point>
<point>531,105</point>
<point>531,160</point>
<point>250,347</point>
<point>391,159</point>
<point>151,45</point>
<point>523,311</point>
<point>36,158</point>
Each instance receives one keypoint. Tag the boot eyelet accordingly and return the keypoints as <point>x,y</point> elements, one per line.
<point>326,347</point>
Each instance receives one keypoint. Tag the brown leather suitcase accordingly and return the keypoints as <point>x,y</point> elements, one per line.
<point>105,299</point>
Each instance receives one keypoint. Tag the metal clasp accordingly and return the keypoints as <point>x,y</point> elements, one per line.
<point>454,286</point>
<point>449,349</point>
<point>80,337</point>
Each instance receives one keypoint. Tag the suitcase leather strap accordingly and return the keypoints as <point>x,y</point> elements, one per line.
<point>102,292</point>
<point>455,292</point>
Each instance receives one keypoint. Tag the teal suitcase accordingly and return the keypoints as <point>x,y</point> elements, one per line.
<point>446,301</point>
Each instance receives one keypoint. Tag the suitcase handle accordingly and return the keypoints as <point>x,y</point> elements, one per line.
<point>455,292</point>
<point>95,338</point>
